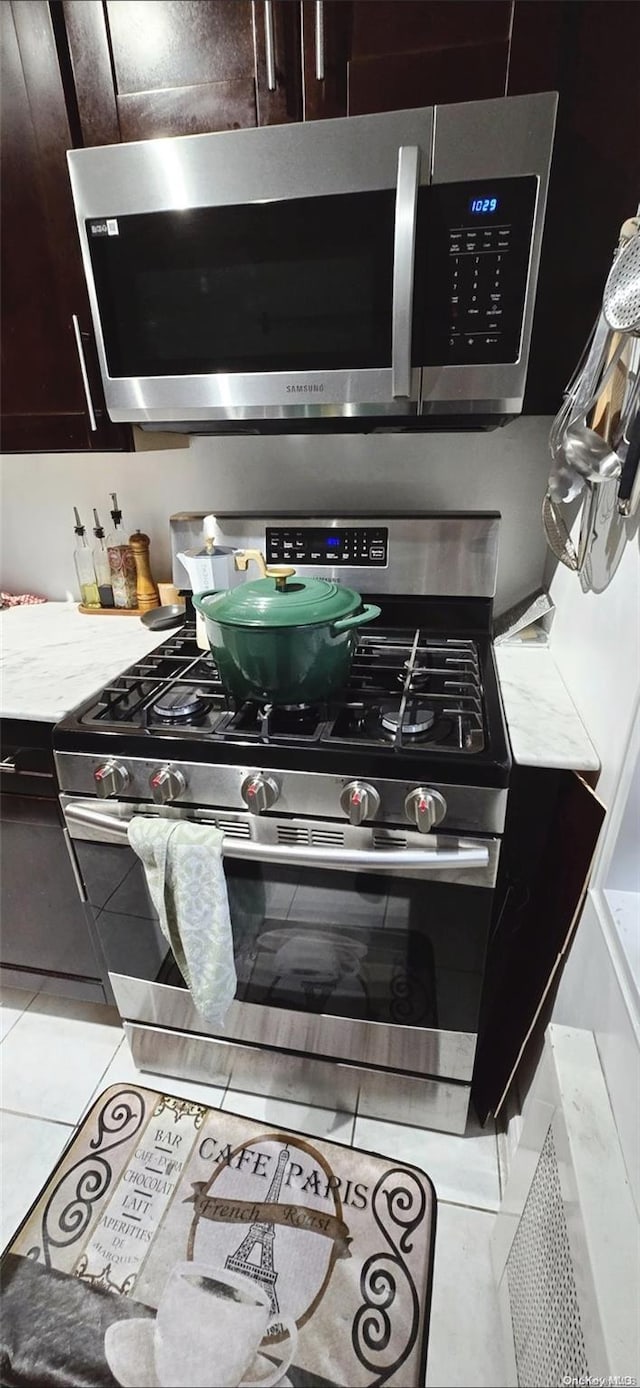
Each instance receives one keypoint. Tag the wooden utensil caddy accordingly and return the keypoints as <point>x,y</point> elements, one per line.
<point>112,611</point>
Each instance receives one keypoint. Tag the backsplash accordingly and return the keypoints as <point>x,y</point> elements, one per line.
<point>504,471</point>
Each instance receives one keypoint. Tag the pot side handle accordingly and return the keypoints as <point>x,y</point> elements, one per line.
<point>368,613</point>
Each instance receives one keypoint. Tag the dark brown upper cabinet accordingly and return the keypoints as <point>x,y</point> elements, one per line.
<point>562,45</point>
<point>144,70</point>
<point>51,393</point>
<point>362,56</point>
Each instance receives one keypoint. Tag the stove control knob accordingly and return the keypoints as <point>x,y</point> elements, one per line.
<point>111,779</point>
<point>360,801</point>
<point>425,808</point>
<point>166,783</point>
<point>259,792</point>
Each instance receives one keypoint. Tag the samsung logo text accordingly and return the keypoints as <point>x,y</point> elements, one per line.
<point>305,390</point>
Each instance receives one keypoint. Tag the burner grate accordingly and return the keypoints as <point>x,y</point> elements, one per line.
<point>407,690</point>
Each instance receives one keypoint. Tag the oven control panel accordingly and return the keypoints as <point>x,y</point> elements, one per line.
<point>466,809</point>
<point>472,268</point>
<point>362,546</point>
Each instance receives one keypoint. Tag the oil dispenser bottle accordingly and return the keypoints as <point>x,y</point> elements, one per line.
<point>122,564</point>
<point>84,565</point>
<point>101,564</point>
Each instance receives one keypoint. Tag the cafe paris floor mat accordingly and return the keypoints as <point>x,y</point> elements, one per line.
<point>176,1244</point>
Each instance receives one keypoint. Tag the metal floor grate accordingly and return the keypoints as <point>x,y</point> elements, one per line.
<point>547,1330</point>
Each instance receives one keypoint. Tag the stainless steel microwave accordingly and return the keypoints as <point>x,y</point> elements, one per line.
<point>373,271</point>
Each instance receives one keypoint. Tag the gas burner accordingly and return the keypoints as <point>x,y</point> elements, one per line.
<point>296,720</point>
<point>416,722</point>
<point>180,704</point>
<point>291,710</point>
<point>419,673</point>
<point>277,721</point>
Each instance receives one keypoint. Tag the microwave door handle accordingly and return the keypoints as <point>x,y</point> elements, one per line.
<point>109,828</point>
<point>404,247</point>
<point>269,45</point>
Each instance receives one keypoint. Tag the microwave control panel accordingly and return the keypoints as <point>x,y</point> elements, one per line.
<point>472,266</point>
<point>357,546</point>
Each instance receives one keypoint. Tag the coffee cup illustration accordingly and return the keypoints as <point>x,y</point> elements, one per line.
<point>209,1327</point>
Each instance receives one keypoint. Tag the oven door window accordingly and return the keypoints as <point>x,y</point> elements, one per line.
<point>296,285</point>
<point>364,946</point>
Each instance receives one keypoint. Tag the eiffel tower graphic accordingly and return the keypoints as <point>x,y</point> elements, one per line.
<point>261,1235</point>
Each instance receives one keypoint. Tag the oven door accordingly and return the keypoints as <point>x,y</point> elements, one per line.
<point>363,945</point>
<point>261,274</point>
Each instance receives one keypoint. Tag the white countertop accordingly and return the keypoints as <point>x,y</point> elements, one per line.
<point>52,657</point>
<point>544,726</point>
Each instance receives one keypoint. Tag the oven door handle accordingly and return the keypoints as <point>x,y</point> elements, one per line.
<point>114,830</point>
<point>404,249</point>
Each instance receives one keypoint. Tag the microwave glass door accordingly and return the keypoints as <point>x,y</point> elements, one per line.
<point>292,285</point>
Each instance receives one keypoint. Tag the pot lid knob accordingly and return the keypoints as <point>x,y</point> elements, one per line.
<point>280,572</point>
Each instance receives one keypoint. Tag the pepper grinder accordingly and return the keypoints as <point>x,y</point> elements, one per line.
<point>147,592</point>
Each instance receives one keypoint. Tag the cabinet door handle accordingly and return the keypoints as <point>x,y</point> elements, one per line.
<point>9,767</point>
<point>83,372</point>
<point>404,247</point>
<point>269,45</point>
<point>319,18</point>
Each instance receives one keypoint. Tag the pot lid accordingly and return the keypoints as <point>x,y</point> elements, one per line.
<point>282,601</point>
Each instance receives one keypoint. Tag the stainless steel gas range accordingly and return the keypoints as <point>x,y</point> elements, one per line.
<point>361,837</point>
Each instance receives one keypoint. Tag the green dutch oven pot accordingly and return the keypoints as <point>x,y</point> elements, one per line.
<point>283,639</point>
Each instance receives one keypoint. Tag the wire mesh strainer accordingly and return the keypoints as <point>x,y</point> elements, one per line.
<point>621,302</point>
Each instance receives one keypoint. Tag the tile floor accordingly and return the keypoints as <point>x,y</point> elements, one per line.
<point>57,1054</point>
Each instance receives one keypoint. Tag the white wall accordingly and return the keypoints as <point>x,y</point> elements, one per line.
<point>595,639</point>
<point>504,470</point>
<point>596,643</point>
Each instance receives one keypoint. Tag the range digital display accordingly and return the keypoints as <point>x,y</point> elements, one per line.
<point>359,546</point>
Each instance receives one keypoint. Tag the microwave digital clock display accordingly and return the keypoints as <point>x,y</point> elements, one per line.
<point>483,205</point>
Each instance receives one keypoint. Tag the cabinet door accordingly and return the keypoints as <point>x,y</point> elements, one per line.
<point>386,55</point>
<point>144,69</point>
<point>44,925</point>
<point>44,401</point>
<point>561,46</point>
